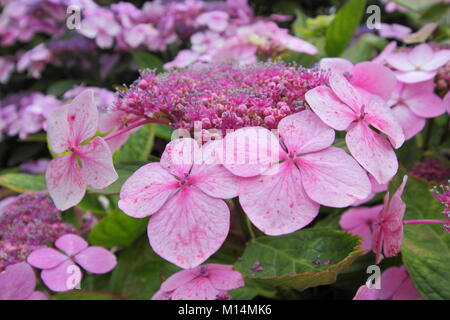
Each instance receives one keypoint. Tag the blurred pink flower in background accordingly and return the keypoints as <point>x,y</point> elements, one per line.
<point>395,31</point>
<point>7,67</point>
<point>35,60</point>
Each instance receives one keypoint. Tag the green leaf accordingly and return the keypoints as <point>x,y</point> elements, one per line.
<point>139,145</point>
<point>117,230</point>
<point>85,295</point>
<point>147,60</point>
<point>300,260</point>
<point>435,11</point>
<point>23,182</point>
<point>124,170</point>
<point>163,131</point>
<point>426,248</point>
<point>58,88</point>
<point>140,272</point>
<point>91,203</point>
<point>343,27</point>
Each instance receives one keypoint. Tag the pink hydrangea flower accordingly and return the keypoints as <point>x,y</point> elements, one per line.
<point>35,166</point>
<point>388,226</point>
<point>395,31</point>
<point>18,282</point>
<point>419,64</point>
<point>396,284</point>
<point>343,107</point>
<point>58,268</point>
<point>184,196</point>
<point>359,221</point>
<point>208,282</point>
<point>85,164</point>
<point>282,191</point>
<point>368,76</point>
<point>102,26</point>
<point>6,68</point>
<point>413,103</point>
<point>215,20</point>
<point>34,60</point>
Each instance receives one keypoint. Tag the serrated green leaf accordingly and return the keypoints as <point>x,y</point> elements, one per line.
<point>300,260</point>
<point>343,27</point>
<point>117,230</point>
<point>23,182</point>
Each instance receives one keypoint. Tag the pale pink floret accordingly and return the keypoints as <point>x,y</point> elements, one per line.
<point>183,194</point>
<point>388,226</point>
<point>419,64</point>
<point>282,192</point>
<point>368,76</point>
<point>17,282</point>
<point>412,103</point>
<point>208,282</point>
<point>396,284</point>
<point>58,268</point>
<point>68,127</point>
<point>343,107</point>
<point>359,221</point>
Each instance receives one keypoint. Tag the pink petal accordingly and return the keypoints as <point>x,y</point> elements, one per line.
<point>329,108</point>
<point>197,289</point>
<point>381,58</point>
<point>339,65</point>
<point>161,295</point>
<point>304,132</point>
<point>179,156</point>
<point>223,277</point>
<point>46,258</point>
<point>215,181</point>
<point>421,54</point>
<point>407,291</point>
<point>372,151</point>
<point>400,61</point>
<point>391,280</point>
<point>189,228</point>
<point>345,91</point>
<point>365,293</point>
<point>277,204</point>
<point>439,59</point>
<point>426,105</point>
<point>250,151</point>
<point>58,130</point>
<point>65,181</point>
<point>71,244</point>
<point>96,260</point>
<point>415,76</point>
<point>333,178</point>
<point>374,78</point>
<point>37,295</point>
<point>97,166</point>
<point>380,116</point>
<point>410,123</point>
<point>62,278</point>
<point>17,282</point>
<point>146,190</point>
<point>178,279</point>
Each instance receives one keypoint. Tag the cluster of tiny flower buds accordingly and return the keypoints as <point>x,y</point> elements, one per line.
<point>431,170</point>
<point>442,193</point>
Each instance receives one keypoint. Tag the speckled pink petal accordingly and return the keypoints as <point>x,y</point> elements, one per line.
<point>345,91</point>
<point>215,181</point>
<point>373,152</point>
<point>304,132</point>
<point>380,116</point>
<point>96,260</point>
<point>333,178</point>
<point>189,228</point>
<point>46,258</point>
<point>223,277</point>
<point>62,278</point>
<point>248,152</point>
<point>17,282</point>
<point>426,105</point>
<point>178,279</point>
<point>146,190</point>
<point>277,204</point>
<point>65,182</point>
<point>329,108</point>
<point>71,244</point>
<point>58,130</point>
<point>180,155</point>
<point>97,166</point>
<point>410,123</point>
<point>374,78</point>
<point>198,289</point>
<point>339,65</point>
<point>83,117</point>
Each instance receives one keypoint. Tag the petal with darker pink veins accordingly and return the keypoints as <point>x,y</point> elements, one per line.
<point>96,260</point>
<point>65,181</point>
<point>215,181</point>
<point>189,228</point>
<point>146,191</point>
<point>58,130</point>
<point>97,165</point>
<point>223,277</point>
<point>346,92</point>
<point>333,178</point>
<point>374,78</point>
<point>372,151</point>
<point>197,289</point>
<point>180,155</point>
<point>277,204</point>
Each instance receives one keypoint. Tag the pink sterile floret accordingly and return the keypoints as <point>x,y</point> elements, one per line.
<point>388,226</point>
<point>18,282</point>
<point>282,190</point>
<point>343,107</point>
<point>58,268</point>
<point>208,282</point>
<point>184,196</point>
<point>81,164</point>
